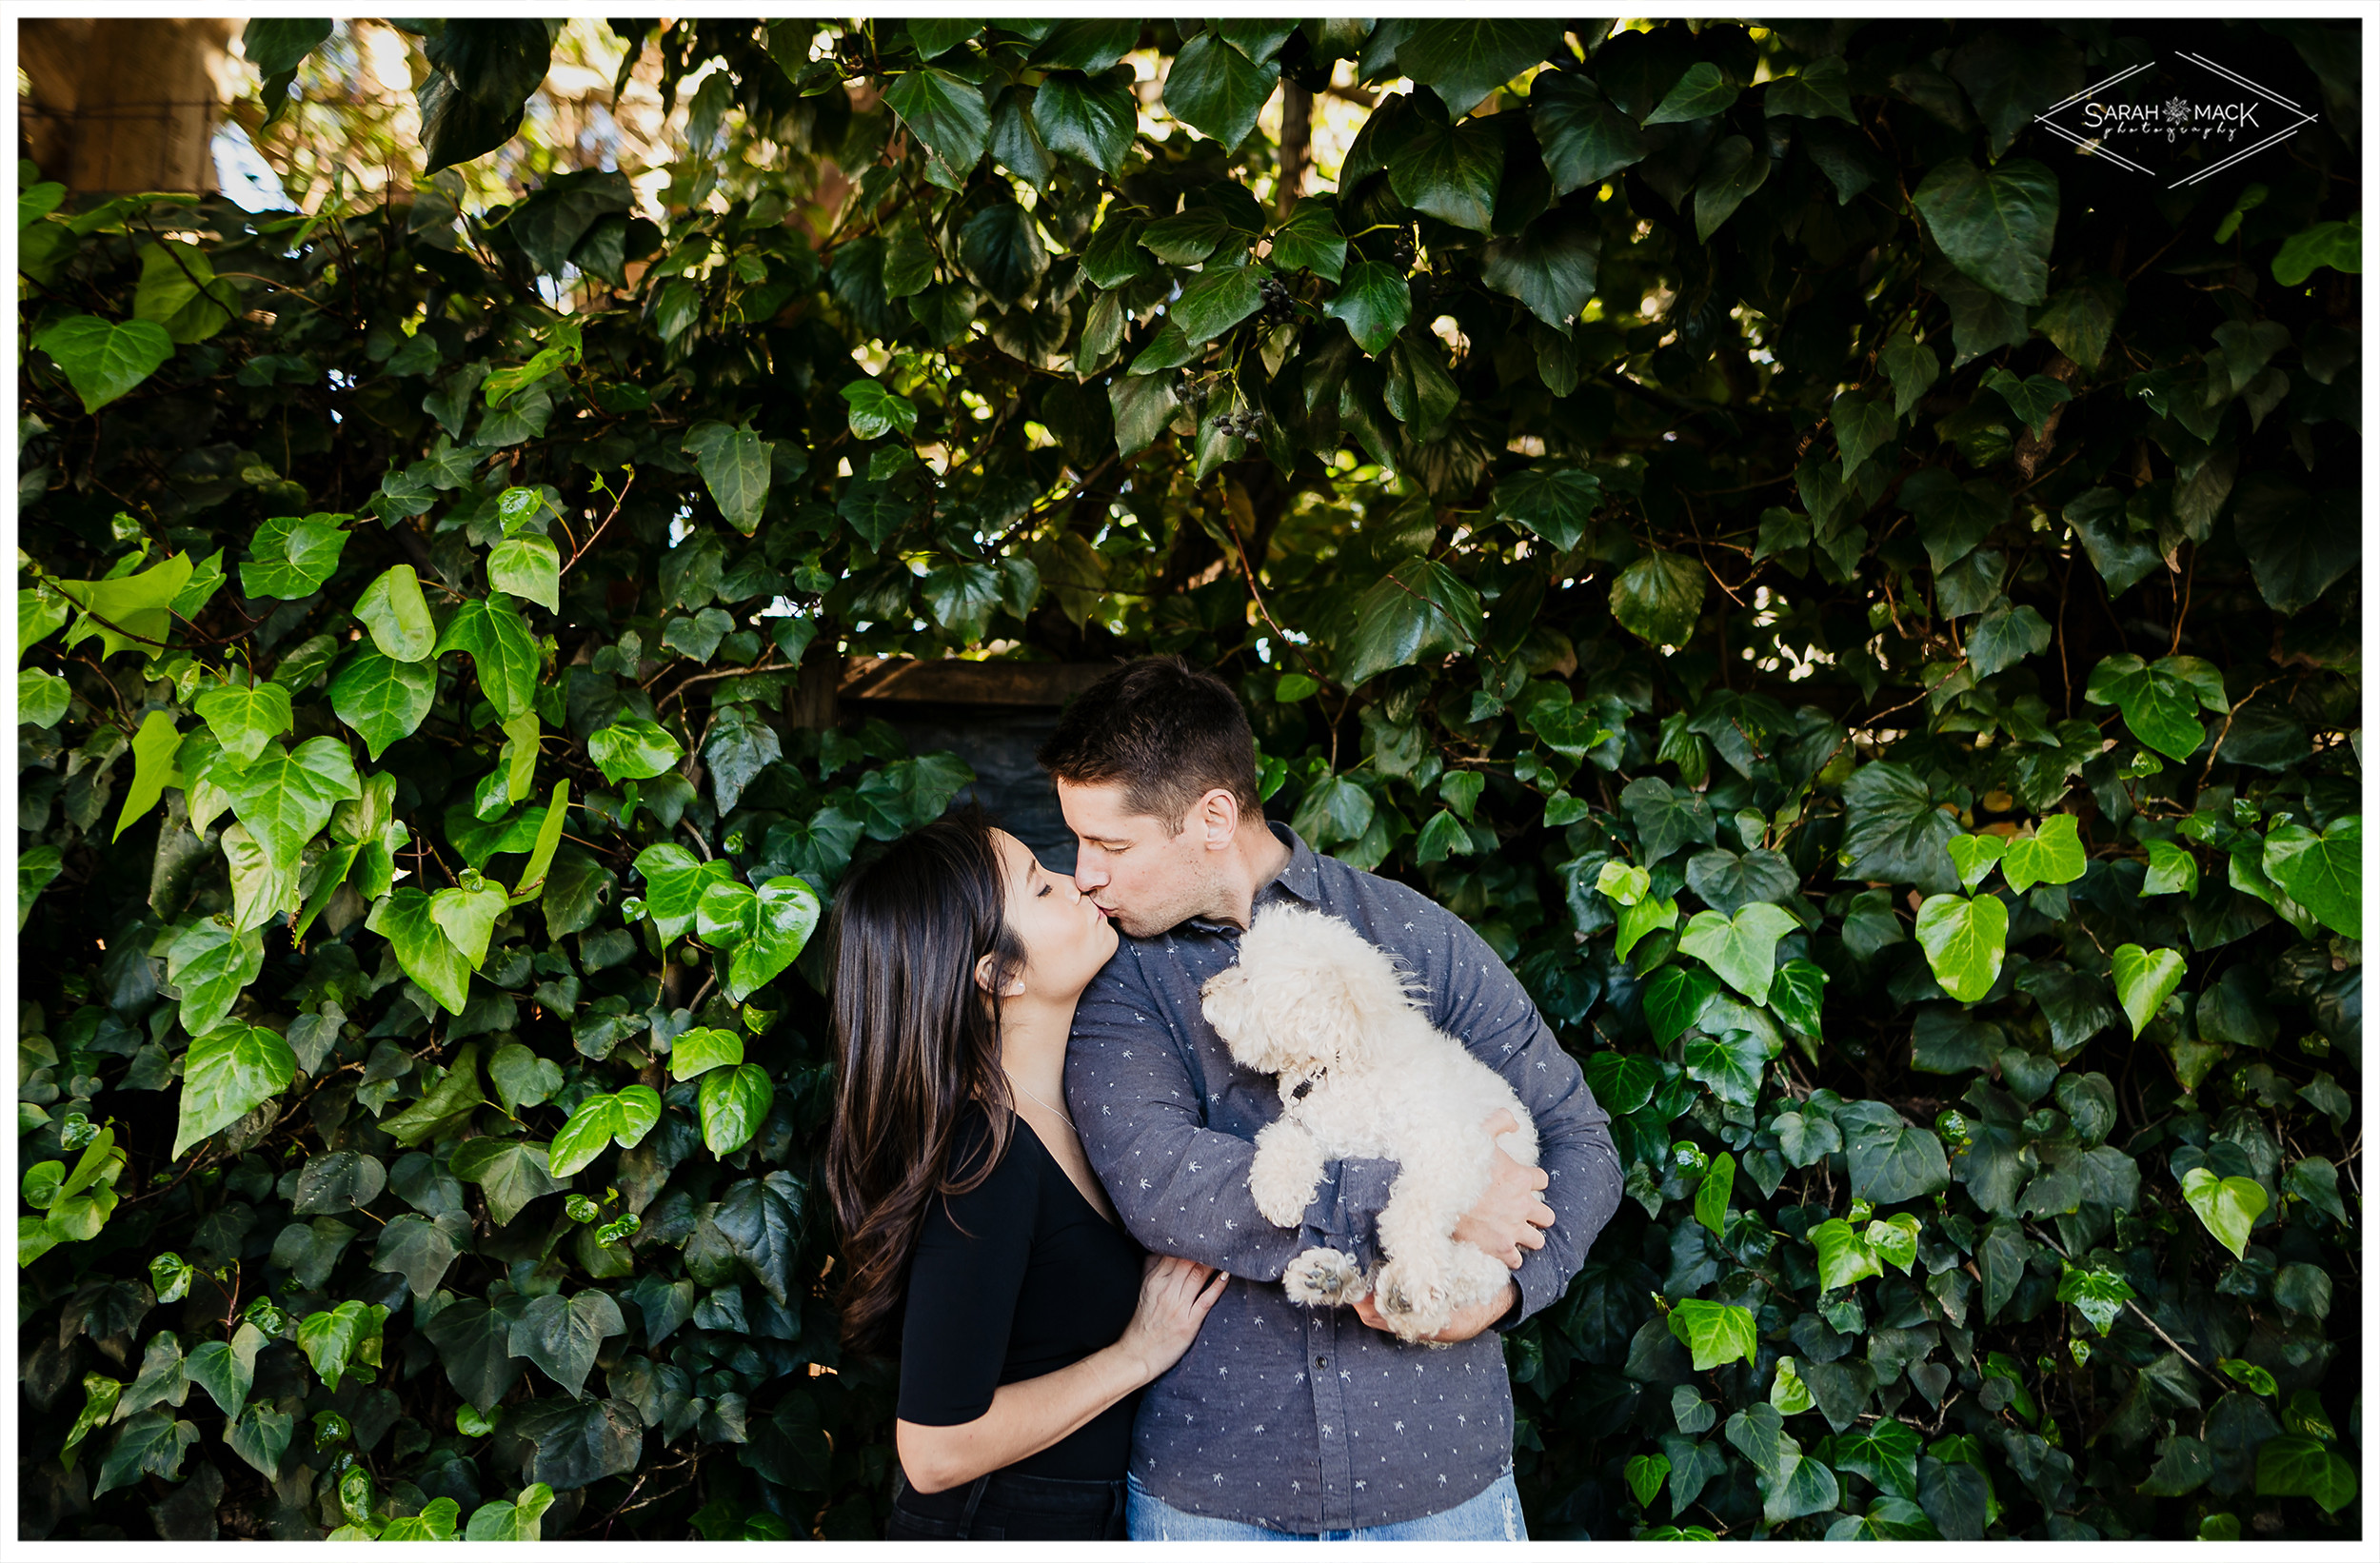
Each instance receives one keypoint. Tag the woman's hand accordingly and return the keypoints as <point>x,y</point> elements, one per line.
<point>1175,1296</point>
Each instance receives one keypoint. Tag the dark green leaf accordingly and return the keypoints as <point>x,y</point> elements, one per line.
<point>1374,301</point>
<point>480,75</point>
<point>1466,61</point>
<point>1584,139</point>
<point>1451,172</point>
<point>1217,91</point>
<point>1659,598</point>
<point>1994,224</point>
<point>1551,267</point>
<point>948,116</point>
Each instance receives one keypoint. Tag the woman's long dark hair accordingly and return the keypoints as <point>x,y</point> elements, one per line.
<point>916,1044</point>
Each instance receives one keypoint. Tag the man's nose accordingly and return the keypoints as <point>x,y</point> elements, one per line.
<point>1088,875</point>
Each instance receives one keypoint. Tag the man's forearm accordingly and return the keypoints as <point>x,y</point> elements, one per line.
<point>1583,1189</point>
<point>1183,1190</point>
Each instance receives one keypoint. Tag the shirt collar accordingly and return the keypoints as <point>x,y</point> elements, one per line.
<point>1300,877</point>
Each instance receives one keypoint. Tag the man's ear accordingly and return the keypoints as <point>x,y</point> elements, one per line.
<point>1217,818</point>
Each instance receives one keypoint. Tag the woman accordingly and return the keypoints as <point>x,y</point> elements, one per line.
<point>977,1237</point>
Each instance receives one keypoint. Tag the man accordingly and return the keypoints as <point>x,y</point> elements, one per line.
<point>1286,1420</point>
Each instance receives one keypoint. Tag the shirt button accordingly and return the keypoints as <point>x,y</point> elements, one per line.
<point>1321,1362</point>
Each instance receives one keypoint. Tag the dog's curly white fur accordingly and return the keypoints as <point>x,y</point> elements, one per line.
<point>1362,1073</point>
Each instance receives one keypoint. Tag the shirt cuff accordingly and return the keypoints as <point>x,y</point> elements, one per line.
<point>1346,1214</point>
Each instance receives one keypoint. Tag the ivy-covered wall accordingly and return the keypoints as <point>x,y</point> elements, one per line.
<point>1854,598</point>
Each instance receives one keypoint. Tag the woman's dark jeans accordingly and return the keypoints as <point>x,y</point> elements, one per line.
<point>1004,1507</point>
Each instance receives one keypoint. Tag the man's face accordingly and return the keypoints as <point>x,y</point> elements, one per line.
<point>1147,877</point>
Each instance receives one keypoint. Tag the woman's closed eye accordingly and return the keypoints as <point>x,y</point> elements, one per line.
<point>1042,891</point>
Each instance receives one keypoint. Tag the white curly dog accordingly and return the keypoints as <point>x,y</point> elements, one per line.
<point>1363,1073</point>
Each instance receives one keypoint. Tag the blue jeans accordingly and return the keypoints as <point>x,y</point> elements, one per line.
<point>1494,1515</point>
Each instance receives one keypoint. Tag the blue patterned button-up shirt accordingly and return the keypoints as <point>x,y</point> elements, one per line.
<point>1304,1419</point>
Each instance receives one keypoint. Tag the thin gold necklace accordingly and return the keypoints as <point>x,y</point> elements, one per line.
<point>1046,1106</point>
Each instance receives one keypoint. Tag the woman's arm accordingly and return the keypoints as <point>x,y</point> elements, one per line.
<point>1030,1415</point>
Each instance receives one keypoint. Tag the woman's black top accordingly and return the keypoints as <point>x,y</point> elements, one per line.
<point>1017,1277</point>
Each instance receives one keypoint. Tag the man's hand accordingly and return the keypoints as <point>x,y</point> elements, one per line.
<point>1509,1216</point>
<point>1466,1322</point>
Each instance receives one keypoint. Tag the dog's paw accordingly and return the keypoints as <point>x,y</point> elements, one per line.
<point>1414,1305</point>
<point>1322,1277</point>
<point>1282,1189</point>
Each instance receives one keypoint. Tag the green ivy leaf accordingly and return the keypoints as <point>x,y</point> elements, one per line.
<point>632,749</point>
<point>623,1118</point>
<point>1090,121</point>
<point>1845,1258</point>
<point>244,718</point>
<point>2051,854</point>
<point>2099,1295</point>
<point>2144,979</point>
<point>562,1335</point>
<point>1660,597</point>
<point>1216,300</point>
<point>674,882</point>
<point>1715,1333</point>
<point>703,1048</point>
<point>1549,267</point>
<point>763,930</point>
<point>948,117</point>
<point>2323,873</point>
<point>504,653</point>
<point>1309,239</point>
<point>1419,609</point>
<point>1964,940</point>
<point>1450,171</point>
<point>394,611</point>
<point>2293,1465</point>
<point>875,411</point>
<point>1217,91</point>
<point>382,700</point>
<point>422,949</point>
<point>286,798</point>
<point>1797,993</point>
<point>515,1521</point>
<point>227,1074</point>
<point>1890,1160</point>
<point>1975,856</point>
<point>735,465</point>
<point>1996,225</point>
<point>293,556</point>
<point>2339,246</point>
<point>1373,301</point>
<point>151,1444</point>
<point>1699,94</point>
<point>2227,1206</point>
<point>1712,1193</point>
<point>1674,999</point>
<point>1584,138</point>
<point>2160,701</point>
<point>509,1173</point>
<point>1558,504</point>
<point>1733,171</point>
<point>734,1103</point>
<point>527,567</point>
<point>104,361</point>
<point>1466,60</point>
<point>1642,918</point>
<point>1741,949</point>
<point>138,607</point>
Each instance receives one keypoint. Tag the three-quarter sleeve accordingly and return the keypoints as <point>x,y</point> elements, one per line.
<point>964,1284</point>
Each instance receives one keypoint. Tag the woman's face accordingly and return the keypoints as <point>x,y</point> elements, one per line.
<point>1065,936</point>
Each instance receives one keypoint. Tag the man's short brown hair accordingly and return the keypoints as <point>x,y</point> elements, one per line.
<point>1169,732</point>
